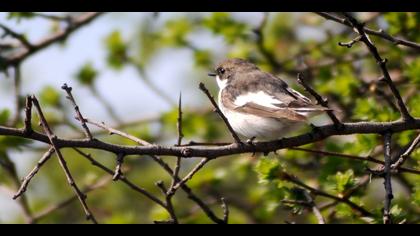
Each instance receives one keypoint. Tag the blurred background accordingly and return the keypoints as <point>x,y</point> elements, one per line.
<point>128,69</point>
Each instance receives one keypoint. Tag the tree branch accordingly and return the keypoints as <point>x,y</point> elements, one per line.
<point>403,157</point>
<point>359,28</point>
<point>216,107</point>
<point>321,133</point>
<point>320,100</point>
<point>34,171</point>
<point>387,179</point>
<point>52,140</point>
<point>379,33</point>
<point>293,179</point>
<point>17,36</point>
<point>79,116</point>
<point>76,24</point>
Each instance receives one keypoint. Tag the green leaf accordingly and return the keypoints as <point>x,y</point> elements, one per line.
<point>20,15</point>
<point>202,58</point>
<point>50,96</point>
<point>87,74</point>
<point>267,169</point>
<point>222,23</point>
<point>175,32</point>
<point>412,71</point>
<point>4,116</point>
<point>117,50</point>
<point>343,181</point>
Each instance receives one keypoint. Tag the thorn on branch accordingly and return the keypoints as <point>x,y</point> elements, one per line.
<point>79,116</point>
<point>351,43</point>
<point>118,169</point>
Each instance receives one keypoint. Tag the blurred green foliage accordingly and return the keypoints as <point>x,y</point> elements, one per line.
<point>253,186</point>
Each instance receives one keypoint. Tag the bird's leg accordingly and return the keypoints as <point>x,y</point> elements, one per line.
<point>251,141</point>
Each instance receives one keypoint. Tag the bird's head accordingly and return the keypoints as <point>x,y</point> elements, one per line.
<point>225,71</point>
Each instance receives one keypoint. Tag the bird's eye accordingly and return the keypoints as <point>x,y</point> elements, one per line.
<point>220,70</point>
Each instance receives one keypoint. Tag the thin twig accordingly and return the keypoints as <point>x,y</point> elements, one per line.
<point>169,206</point>
<point>17,36</point>
<point>65,18</point>
<point>321,101</point>
<point>397,164</point>
<point>10,167</point>
<point>293,179</point>
<point>171,190</point>
<point>118,169</point>
<point>122,179</point>
<point>360,29</point>
<point>213,152</point>
<point>34,171</point>
<point>191,173</point>
<point>52,139</point>
<point>76,23</point>
<point>380,33</point>
<point>27,128</point>
<point>314,208</point>
<point>165,166</point>
<point>97,185</point>
<point>216,107</point>
<point>79,116</point>
<point>225,208</point>
<point>387,179</point>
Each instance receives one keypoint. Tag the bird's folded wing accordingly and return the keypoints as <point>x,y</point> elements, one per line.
<point>277,113</point>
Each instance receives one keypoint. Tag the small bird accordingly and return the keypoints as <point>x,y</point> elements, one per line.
<point>257,104</point>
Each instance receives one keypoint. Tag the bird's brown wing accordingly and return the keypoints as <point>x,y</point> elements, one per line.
<point>276,113</point>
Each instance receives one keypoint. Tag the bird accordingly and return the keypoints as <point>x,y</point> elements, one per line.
<point>257,104</point>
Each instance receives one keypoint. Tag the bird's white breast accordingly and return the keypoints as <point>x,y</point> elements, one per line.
<point>255,126</point>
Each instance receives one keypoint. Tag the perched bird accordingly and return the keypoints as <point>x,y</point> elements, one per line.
<point>257,104</point>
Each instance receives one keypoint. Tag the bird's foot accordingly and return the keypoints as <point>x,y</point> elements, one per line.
<point>251,141</point>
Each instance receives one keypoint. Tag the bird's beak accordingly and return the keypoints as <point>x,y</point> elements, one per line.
<point>212,74</point>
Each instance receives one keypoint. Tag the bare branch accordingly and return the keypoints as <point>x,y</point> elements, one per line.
<point>118,172</point>
<point>191,173</point>
<point>359,28</point>
<point>76,24</point>
<point>225,210</point>
<point>379,33</point>
<point>122,179</point>
<point>171,190</point>
<point>323,102</point>
<point>387,178</point>
<point>97,185</point>
<point>17,36</point>
<point>354,157</point>
<point>406,154</point>
<point>216,107</point>
<point>52,140</point>
<point>314,208</point>
<point>27,129</point>
<point>212,152</point>
<point>293,179</point>
<point>34,171</point>
<point>76,108</point>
